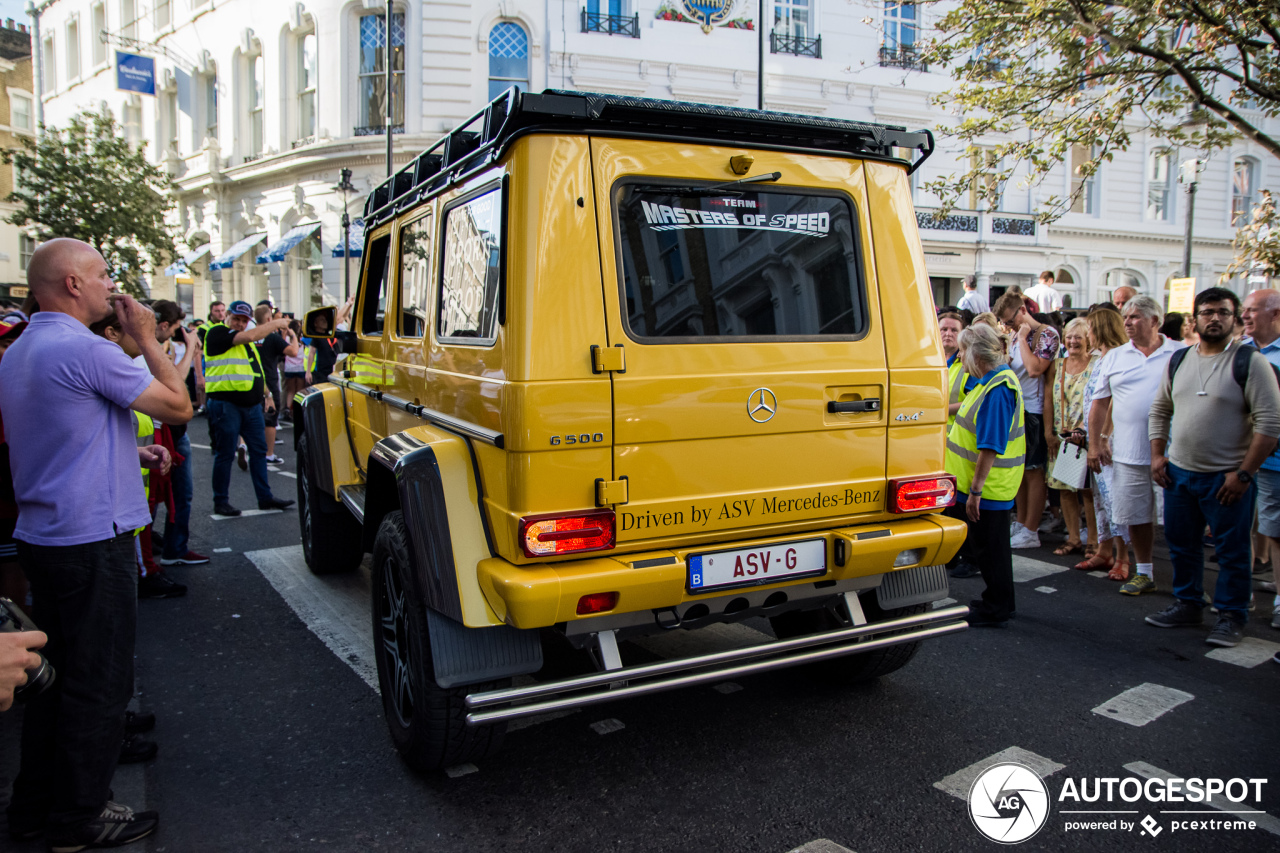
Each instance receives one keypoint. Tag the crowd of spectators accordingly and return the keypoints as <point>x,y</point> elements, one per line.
<point>1123,417</point>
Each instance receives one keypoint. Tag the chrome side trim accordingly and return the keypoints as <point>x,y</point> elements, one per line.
<point>430,415</point>
<point>353,498</point>
<point>716,666</point>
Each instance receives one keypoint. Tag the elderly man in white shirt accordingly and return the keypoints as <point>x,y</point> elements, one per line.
<point>1048,298</point>
<point>1127,379</point>
<point>972,299</point>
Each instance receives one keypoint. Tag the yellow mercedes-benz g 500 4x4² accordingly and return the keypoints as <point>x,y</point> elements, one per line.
<point>620,367</point>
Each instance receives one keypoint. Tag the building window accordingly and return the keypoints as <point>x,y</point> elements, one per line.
<point>210,105</point>
<point>257,101</point>
<point>20,113</point>
<point>133,123</point>
<point>73,50</point>
<point>1084,190</point>
<point>26,247</point>
<point>792,18</point>
<point>308,76</point>
<point>1244,180</point>
<point>610,17</point>
<point>163,14</point>
<point>95,37</point>
<point>171,120</point>
<point>373,73</point>
<point>508,58</point>
<point>129,18</point>
<point>50,67</point>
<point>1160,185</point>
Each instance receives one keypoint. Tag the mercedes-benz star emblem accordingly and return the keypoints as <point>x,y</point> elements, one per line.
<point>761,405</point>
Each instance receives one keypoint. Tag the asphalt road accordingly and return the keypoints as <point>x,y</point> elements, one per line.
<point>271,737</point>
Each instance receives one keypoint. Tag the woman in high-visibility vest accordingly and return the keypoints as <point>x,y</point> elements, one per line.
<point>950,324</point>
<point>986,449</point>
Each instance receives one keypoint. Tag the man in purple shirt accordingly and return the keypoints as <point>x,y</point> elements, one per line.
<point>66,396</point>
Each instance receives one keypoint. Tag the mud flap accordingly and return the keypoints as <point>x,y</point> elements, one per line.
<point>462,655</point>
<point>912,586</point>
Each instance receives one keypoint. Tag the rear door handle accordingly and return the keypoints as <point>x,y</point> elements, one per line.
<point>871,404</point>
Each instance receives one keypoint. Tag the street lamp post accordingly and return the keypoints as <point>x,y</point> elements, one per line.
<point>387,60</point>
<point>346,188</point>
<point>760,58</point>
<point>1189,172</point>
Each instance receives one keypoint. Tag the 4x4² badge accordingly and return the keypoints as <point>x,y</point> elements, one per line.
<point>761,405</point>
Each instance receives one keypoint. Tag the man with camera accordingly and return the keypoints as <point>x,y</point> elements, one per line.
<point>17,655</point>
<point>66,395</point>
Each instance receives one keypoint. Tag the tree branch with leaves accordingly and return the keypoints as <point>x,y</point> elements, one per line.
<point>85,181</point>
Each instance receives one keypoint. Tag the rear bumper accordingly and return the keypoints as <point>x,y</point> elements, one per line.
<point>536,596</point>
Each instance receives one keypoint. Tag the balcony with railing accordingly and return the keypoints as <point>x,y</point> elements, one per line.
<point>902,56</point>
<point>611,25</point>
<point>377,130</point>
<point>979,226</point>
<point>795,45</point>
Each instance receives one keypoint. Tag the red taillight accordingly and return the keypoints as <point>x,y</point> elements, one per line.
<point>925,494</point>
<point>567,533</point>
<point>597,602</point>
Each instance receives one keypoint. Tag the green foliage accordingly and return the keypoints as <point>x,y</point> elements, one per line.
<point>1257,243</point>
<point>1052,74</point>
<point>86,182</point>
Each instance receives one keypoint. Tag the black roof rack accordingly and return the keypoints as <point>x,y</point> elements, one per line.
<point>478,142</point>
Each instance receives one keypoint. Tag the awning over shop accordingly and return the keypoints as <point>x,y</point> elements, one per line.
<point>228,258</point>
<point>183,264</point>
<point>277,251</point>
<point>357,241</point>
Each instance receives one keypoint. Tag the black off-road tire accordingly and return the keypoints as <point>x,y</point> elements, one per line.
<point>856,668</point>
<point>330,534</point>
<point>427,722</point>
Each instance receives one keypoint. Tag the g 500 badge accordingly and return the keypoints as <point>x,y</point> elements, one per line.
<point>580,438</point>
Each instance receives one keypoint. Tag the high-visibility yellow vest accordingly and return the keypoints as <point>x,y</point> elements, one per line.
<point>962,443</point>
<point>233,369</point>
<point>367,371</point>
<point>956,378</point>
<point>146,431</point>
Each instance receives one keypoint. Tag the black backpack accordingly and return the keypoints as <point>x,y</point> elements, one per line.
<point>1239,364</point>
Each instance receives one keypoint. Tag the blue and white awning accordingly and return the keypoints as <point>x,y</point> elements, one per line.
<point>228,258</point>
<point>277,251</point>
<point>356,247</point>
<point>183,264</point>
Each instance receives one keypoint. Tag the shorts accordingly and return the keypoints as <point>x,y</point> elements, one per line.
<point>1268,502</point>
<point>299,374</point>
<point>1133,494</point>
<point>1037,449</point>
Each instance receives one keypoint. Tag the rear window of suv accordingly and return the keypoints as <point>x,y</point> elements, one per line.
<point>700,264</point>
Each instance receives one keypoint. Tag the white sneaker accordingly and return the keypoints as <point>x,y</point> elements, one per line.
<point>1275,618</point>
<point>1025,539</point>
<point>274,460</point>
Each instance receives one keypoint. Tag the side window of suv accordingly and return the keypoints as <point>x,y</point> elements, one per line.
<point>373,309</point>
<point>415,276</point>
<point>472,271</point>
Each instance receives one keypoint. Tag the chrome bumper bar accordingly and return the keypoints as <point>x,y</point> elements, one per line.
<point>672,674</point>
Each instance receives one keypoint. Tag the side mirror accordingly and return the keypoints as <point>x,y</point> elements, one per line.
<point>319,323</point>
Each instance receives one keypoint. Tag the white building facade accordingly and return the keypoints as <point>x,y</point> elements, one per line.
<point>260,104</point>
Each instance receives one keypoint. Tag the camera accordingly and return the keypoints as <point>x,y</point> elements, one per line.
<point>13,620</point>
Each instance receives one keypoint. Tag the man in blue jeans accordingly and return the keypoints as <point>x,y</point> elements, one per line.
<point>234,383</point>
<point>1219,415</point>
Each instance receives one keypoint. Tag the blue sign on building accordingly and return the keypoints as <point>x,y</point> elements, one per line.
<point>135,73</point>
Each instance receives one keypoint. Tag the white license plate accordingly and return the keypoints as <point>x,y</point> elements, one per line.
<point>755,566</point>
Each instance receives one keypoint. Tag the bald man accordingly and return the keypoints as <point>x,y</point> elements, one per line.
<point>1261,316</point>
<point>1121,295</point>
<point>65,395</point>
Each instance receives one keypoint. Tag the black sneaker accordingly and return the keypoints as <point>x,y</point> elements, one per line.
<point>275,503</point>
<point>135,750</point>
<point>1180,614</point>
<point>1226,633</point>
<point>139,722</point>
<point>159,586</point>
<point>225,509</point>
<point>116,826</point>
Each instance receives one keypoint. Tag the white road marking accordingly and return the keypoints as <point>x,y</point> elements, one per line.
<point>201,446</point>
<point>1140,705</point>
<point>537,719</point>
<point>222,550</point>
<point>1026,569</point>
<point>821,845</point>
<point>1255,813</point>
<point>1045,589</point>
<point>289,474</point>
<point>334,607</point>
<point>1097,574</point>
<point>959,783</point>
<point>460,770</point>
<point>246,513</point>
<point>727,687</point>
<point>1250,652</point>
<point>604,727</point>
<point>945,602</point>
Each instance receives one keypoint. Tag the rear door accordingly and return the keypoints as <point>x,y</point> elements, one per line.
<point>743,312</point>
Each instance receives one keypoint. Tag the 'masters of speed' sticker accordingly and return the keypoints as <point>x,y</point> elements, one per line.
<point>665,217</point>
